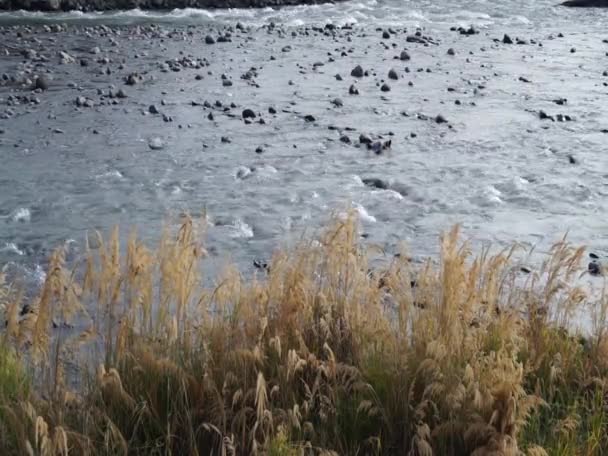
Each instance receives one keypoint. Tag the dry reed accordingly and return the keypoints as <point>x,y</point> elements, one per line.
<point>318,355</point>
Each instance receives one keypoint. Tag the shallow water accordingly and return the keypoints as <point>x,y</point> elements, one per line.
<point>496,168</point>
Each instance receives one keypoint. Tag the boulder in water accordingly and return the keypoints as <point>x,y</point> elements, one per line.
<point>586,3</point>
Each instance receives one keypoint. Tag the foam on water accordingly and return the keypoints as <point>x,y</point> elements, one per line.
<point>240,229</point>
<point>11,247</point>
<point>23,214</point>
<point>363,214</point>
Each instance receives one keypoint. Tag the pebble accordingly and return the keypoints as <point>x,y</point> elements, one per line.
<point>392,74</point>
<point>352,90</point>
<point>209,40</point>
<point>153,109</point>
<point>451,51</point>
<point>404,56</point>
<point>385,88</point>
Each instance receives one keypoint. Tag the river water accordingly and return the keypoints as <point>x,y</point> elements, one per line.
<point>495,167</point>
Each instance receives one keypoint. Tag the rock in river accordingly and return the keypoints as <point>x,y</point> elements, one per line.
<point>248,114</point>
<point>156,143</point>
<point>357,72</point>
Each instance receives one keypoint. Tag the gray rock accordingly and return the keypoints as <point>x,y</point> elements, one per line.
<point>209,40</point>
<point>404,56</point>
<point>41,83</point>
<point>392,74</point>
<point>156,143</point>
<point>65,58</point>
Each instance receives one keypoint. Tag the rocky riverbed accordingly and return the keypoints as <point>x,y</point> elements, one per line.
<point>266,122</point>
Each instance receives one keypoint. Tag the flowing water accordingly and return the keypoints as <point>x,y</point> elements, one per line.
<point>495,167</point>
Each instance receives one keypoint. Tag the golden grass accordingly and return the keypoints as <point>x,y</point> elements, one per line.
<point>319,355</point>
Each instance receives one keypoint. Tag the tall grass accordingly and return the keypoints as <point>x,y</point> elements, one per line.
<point>318,355</point>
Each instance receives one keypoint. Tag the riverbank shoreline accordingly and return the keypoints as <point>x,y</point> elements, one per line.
<point>161,5</point>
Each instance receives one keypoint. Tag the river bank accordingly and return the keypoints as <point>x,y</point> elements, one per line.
<point>109,5</point>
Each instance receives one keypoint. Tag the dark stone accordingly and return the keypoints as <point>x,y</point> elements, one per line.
<point>352,90</point>
<point>595,268</point>
<point>272,110</point>
<point>386,35</point>
<point>248,114</point>
<point>404,56</point>
<point>440,119</point>
<point>309,118</point>
<point>376,183</point>
<point>586,3</point>
<point>132,79</point>
<point>385,88</point>
<point>451,51</point>
<point>392,74</point>
<point>41,83</point>
<point>507,39</point>
<point>357,72</point>
<point>209,40</point>
<point>153,109</point>
<point>364,139</point>
<point>345,139</point>
<point>261,264</point>
<point>376,146</point>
